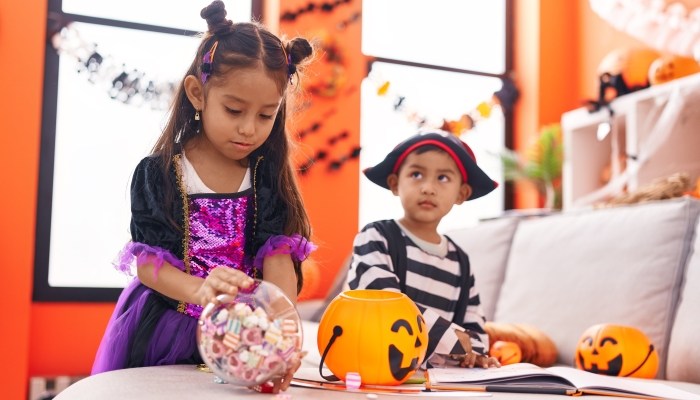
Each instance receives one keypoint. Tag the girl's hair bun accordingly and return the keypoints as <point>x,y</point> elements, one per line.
<point>215,14</point>
<point>299,49</point>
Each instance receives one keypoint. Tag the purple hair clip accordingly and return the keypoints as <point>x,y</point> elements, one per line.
<point>207,67</point>
<point>291,68</point>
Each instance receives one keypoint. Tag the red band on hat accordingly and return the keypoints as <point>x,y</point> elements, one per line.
<point>438,144</point>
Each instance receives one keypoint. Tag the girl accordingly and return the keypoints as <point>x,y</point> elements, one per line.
<point>217,199</point>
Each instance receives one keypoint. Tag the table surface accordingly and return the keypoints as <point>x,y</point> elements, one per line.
<point>185,382</point>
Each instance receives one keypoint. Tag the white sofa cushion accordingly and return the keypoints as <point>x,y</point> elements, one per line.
<point>684,349</point>
<point>621,266</point>
<point>487,246</point>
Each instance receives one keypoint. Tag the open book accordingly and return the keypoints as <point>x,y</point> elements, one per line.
<point>528,378</point>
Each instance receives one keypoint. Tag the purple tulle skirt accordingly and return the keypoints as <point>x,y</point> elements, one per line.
<point>171,338</point>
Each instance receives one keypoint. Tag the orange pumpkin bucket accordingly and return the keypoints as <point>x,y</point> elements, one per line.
<point>379,334</point>
<point>617,351</point>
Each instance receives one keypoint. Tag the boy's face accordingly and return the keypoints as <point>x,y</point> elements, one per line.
<point>429,184</point>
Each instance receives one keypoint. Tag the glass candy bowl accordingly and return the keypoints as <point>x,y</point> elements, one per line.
<point>252,338</point>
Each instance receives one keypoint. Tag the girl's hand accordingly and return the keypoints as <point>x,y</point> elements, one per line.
<point>221,280</point>
<point>282,384</point>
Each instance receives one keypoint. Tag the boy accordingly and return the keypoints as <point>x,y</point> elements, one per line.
<point>430,172</point>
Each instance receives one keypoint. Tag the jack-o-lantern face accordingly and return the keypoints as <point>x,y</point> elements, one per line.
<point>379,334</point>
<point>396,356</point>
<point>668,68</point>
<point>616,351</point>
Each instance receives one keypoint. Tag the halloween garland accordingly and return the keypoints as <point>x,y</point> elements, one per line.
<point>345,23</point>
<point>326,6</point>
<point>323,154</point>
<point>503,98</point>
<point>332,82</point>
<point>121,84</point>
<point>336,164</point>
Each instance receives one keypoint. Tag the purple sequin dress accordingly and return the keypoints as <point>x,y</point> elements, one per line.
<point>148,328</point>
<point>216,238</point>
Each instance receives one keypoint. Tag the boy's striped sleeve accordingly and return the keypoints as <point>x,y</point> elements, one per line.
<point>371,268</point>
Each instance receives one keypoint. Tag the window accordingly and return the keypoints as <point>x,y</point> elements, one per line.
<point>91,142</point>
<point>443,57</point>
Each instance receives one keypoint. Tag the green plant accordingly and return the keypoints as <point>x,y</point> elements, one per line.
<point>541,165</point>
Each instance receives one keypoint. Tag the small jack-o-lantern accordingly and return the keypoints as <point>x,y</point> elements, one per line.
<point>668,68</point>
<point>632,64</point>
<point>378,334</point>
<point>621,72</point>
<point>506,353</point>
<point>617,351</point>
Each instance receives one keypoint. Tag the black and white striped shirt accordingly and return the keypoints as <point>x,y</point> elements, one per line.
<point>432,282</point>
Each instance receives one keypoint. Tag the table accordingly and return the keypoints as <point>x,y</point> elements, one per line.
<point>185,382</point>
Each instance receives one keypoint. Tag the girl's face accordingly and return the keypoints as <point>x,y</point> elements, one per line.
<point>238,111</point>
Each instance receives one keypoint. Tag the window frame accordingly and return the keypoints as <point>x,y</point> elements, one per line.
<point>509,195</point>
<point>56,18</point>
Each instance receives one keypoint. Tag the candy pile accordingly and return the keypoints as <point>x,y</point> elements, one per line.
<point>247,345</point>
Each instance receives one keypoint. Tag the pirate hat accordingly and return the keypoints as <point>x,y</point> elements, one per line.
<point>463,155</point>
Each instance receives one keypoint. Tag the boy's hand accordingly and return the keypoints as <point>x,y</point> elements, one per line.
<point>221,280</point>
<point>472,359</point>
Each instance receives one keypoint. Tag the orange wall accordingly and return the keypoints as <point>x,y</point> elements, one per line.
<point>331,197</point>
<point>22,26</point>
<point>545,62</point>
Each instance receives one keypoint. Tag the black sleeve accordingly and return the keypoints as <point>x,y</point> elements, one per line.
<point>151,218</point>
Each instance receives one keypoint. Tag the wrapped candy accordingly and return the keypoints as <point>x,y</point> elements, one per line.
<point>252,336</point>
<point>273,335</point>
<point>289,327</point>
<point>234,326</point>
<point>251,321</point>
<point>231,340</point>
<point>234,363</point>
<point>216,349</point>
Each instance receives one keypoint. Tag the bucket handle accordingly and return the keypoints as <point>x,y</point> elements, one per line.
<point>337,331</point>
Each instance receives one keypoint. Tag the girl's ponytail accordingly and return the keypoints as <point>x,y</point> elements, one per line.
<point>298,50</point>
<point>215,15</point>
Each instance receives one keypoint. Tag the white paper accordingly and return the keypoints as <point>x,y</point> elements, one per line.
<point>466,375</point>
<point>583,380</point>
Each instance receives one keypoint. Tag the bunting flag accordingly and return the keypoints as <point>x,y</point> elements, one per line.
<point>126,85</point>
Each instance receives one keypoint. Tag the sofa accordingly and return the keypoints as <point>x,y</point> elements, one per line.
<point>633,265</point>
<point>636,265</point>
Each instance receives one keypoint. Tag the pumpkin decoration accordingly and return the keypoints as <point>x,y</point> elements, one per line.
<point>379,334</point>
<point>536,347</point>
<point>621,72</point>
<point>506,352</point>
<point>617,351</point>
<point>632,64</point>
<point>668,68</point>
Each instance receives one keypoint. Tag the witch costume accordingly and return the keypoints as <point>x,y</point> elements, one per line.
<point>197,233</point>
